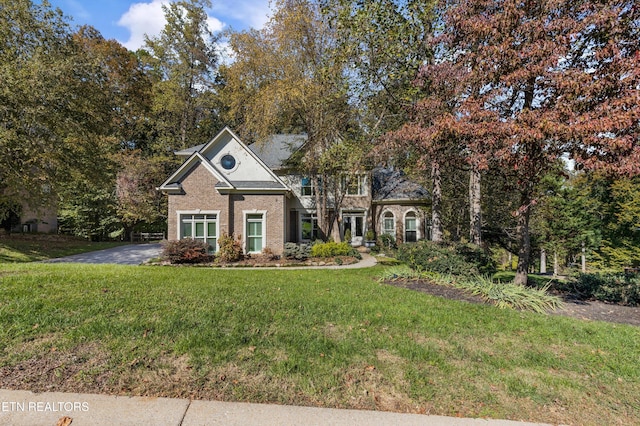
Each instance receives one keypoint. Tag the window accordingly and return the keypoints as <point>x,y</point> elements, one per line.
<point>308,227</point>
<point>255,232</point>
<point>307,188</point>
<point>228,162</point>
<point>353,184</point>
<point>410,227</point>
<point>389,224</point>
<point>202,227</point>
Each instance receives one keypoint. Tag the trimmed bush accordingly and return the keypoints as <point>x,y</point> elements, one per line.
<point>456,259</point>
<point>614,288</point>
<point>332,249</point>
<point>296,251</point>
<point>186,250</point>
<point>230,248</point>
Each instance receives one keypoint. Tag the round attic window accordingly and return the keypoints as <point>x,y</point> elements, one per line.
<point>228,162</point>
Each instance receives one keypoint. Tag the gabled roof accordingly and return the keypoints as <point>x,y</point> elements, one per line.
<point>275,151</point>
<point>188,151</point>
<point>172,183</point>
<point>202,153</point>
<point>391,184</point>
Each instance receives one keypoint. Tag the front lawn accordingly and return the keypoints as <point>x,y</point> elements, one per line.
<point>333,338</point>
<point>34,247</point>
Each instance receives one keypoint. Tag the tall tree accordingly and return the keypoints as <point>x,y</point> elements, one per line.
<point>183,61</point>
<point>524,59</point>
<point>35,105</point>
<point>384,43</point>
<point>114,111</point>
<point>564,221</point>
<point>614,207</point>
<point>287,77</point>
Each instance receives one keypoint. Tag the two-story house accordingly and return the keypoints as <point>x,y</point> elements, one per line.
<point>225,186</point>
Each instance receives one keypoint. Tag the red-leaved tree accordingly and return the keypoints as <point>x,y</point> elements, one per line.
<point>532,81</point>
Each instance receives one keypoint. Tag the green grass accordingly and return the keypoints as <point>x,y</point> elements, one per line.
<point>334,338</point>
<point>34,247</point>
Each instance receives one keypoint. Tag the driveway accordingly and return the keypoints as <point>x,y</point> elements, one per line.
<point>133,254</point>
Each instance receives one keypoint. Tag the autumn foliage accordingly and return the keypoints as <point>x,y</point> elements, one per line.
<point>516,85</point>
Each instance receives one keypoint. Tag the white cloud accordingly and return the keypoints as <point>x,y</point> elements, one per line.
<point>148,19</point>
<point>248,13</point>
<point>214,24</point>
<point>141,19</point>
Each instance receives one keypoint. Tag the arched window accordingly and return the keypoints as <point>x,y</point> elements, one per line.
<point>388,223</point>
<point>410,227</point>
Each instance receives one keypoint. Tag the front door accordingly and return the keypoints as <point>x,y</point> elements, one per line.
<point>354,223</point>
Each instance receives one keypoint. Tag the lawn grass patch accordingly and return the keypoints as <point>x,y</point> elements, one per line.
<point>333,338</point>
<point>18,248</point>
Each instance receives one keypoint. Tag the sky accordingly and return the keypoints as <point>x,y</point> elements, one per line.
<point>128,20</point>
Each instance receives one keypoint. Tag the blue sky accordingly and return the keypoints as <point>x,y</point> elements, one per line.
<point>128,20</point>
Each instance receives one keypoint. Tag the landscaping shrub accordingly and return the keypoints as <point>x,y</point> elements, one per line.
<point>230,248</point>
<point>269,254</point>
<point>296,251</point>
<point>332,249</point>
<point>186,250</point>
<point>507,295</point>
<point>399,272</point>
<point>387,242</point>
<point>455,259</point>
<point>614,288</point>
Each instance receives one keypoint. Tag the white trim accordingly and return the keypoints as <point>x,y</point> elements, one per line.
<point>227,130</point>
<point>312,185</point>
<point>313,215</point>
<point>245,213</point>
<point>186,166</point>
<point>404,224</point>
<point>362,182</point>
<point>207,164</point>
<point>234,168</point>
<point>194,212</point>
<point>382,218</point>
<point>357,212</point>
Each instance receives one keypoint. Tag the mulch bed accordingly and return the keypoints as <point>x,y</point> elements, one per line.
<point>590,310</point>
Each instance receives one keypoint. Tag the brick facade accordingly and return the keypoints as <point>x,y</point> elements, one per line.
<point>399,213</point>
<point>261,186</point>
<point>200,194</point>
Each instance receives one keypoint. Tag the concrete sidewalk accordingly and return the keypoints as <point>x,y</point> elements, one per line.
<point>24,408</point>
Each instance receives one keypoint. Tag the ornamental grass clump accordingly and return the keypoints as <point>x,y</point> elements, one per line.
<point>400,272</point>
<point>508,295</point>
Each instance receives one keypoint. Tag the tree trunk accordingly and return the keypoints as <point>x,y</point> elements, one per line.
<point>583,259</point>
<point>543,261</point>
<point>321,207</point>
<point>436,203</point>
<point>475,213</point>
<point>524,251</point>
<point>555,263</point>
